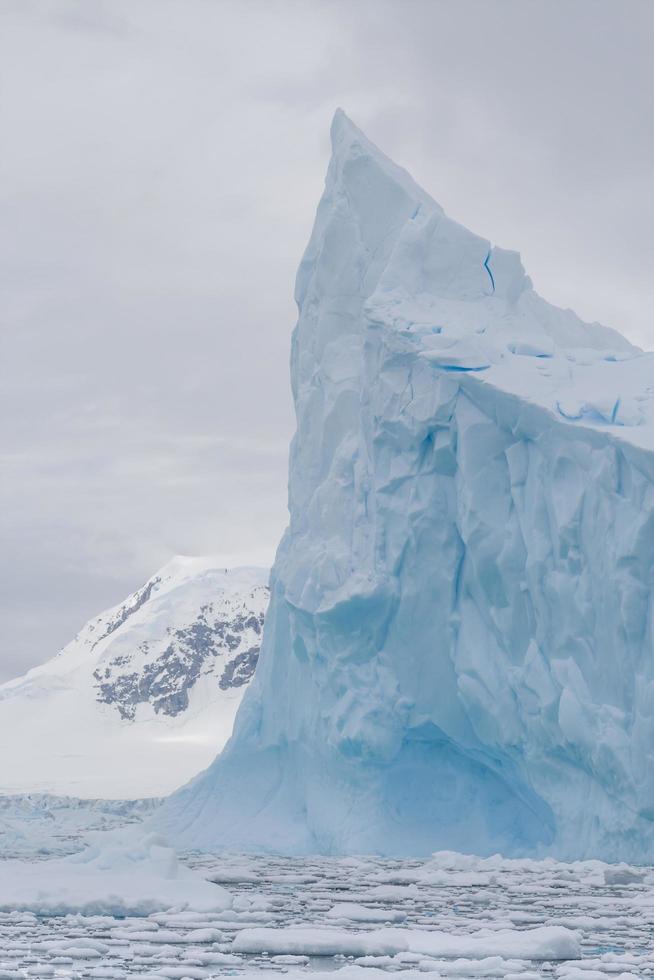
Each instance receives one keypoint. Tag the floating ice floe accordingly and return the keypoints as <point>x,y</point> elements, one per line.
<point>544,943</point>
<point>127,875</point>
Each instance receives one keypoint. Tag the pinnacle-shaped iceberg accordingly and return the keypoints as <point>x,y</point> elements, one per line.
<point>459,650</point>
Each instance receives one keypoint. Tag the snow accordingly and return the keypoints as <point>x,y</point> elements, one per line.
<point>129,874</point>
<point>56,734</point>
<point>457,653</point>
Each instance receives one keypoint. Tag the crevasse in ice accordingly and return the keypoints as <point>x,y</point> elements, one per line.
<point>459,651</point>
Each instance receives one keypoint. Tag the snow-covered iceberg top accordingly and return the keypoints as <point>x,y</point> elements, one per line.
<point>469,306</point>
<point>457,653</point>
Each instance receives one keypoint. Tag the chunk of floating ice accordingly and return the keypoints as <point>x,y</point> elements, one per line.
<point>127,876</point>
<point>456,879</point>
<point>146,936</point>
<point>214,959</point>
<point>180,973</point>
<point>67,945</point>
<point>381,962</point>
<point>82,953</point>
<point>489,966</point>
<point>576,973</point>
<point>622,874</point>
<point>359,913</point>
<point>392,893</point>
<point>543,943</point>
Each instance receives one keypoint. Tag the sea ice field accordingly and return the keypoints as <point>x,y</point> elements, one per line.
<point>450,915</point>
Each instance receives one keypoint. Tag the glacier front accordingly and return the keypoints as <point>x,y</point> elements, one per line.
<point>459,647</point>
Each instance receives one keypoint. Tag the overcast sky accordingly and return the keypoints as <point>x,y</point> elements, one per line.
<point>160,164</point>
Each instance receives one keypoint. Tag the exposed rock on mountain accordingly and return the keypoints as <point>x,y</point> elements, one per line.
<point>144,695</point>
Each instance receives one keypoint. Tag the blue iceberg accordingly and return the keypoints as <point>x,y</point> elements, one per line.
<point>459,650</point>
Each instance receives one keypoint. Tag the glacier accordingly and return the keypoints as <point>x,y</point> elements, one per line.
<point>458,649</point>
<point>145,694</point>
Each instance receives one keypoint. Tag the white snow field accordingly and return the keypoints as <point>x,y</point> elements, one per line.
<point>146,693</point>
<point>458,650</point>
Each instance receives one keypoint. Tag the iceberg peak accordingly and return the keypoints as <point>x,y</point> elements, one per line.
<point>343,129</point>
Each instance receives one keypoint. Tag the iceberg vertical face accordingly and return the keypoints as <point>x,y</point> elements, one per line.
<point>458,650</point>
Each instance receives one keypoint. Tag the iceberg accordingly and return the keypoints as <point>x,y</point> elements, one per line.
<point>458,650</point>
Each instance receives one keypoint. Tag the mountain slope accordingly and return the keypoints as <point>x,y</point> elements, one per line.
<point>144,695</point>
<point>458,650</point>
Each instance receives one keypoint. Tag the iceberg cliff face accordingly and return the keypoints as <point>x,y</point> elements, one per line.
<point>458,651</point>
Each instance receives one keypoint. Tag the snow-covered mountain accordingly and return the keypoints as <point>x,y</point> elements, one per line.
<point>145,694</point>
<point>458,651</point>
